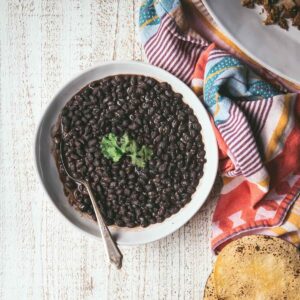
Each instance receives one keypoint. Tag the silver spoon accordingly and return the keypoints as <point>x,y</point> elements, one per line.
<point>113,252</point>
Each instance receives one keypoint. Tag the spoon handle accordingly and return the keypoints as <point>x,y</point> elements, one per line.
<point>113,252</point>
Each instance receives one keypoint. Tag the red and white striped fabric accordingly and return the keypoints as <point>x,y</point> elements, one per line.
<point>174,52</point>
<point>259,147</point>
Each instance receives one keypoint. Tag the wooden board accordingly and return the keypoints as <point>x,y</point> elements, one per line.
<point>43,44</point>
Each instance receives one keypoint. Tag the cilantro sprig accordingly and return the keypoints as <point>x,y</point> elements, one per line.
<point>110,147</point>
<point>114,148</point>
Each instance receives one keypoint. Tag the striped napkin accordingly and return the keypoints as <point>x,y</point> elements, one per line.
<point>256,122</point>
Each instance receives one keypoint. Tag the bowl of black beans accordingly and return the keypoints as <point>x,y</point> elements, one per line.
<point>140,137</point>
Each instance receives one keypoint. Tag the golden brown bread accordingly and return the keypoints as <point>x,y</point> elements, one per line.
<point>258,267</point>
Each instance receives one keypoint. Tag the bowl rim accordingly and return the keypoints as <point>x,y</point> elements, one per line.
<point>214,147</point>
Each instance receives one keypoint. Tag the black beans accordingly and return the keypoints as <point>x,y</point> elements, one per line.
<point>92,142</point>
<point>154,116</point>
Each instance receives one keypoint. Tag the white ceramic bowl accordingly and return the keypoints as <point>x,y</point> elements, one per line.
<point>49,175</point>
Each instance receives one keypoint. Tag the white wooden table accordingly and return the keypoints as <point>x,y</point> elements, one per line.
<point>43,44</point>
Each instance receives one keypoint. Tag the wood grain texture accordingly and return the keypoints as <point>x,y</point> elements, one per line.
<point>43,44</point>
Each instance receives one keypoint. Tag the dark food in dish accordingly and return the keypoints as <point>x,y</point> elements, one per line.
<point>152,115</point>
<point>278,11</point>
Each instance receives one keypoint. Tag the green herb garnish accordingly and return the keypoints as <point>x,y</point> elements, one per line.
<point>114,149</point>
<point>140,157</point>
<point>110,147</point>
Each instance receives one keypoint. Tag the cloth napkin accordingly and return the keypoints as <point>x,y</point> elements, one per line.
<point>256,125</point>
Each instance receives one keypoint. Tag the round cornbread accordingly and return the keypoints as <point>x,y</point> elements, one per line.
<point>210,290</point>
<point>258,267</point>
